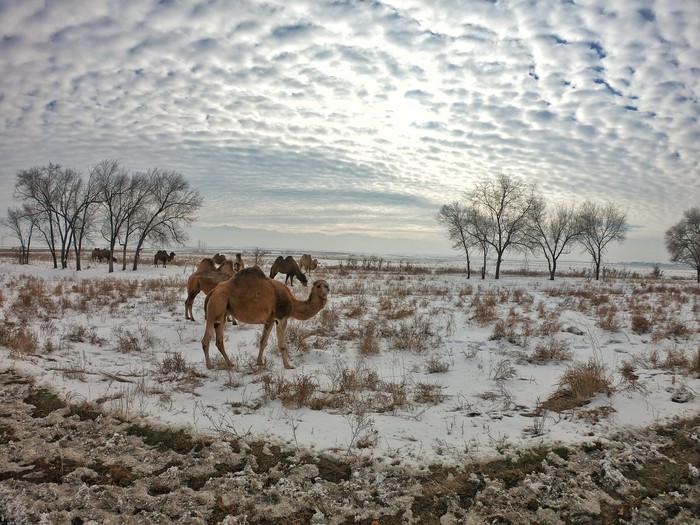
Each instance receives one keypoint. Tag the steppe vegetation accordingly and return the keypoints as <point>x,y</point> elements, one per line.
<point>403,311</point>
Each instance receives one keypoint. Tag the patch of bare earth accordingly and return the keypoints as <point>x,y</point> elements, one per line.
<point>72,464</point>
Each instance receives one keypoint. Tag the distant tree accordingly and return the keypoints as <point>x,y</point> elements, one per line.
<point>38,188</point>
<point>85,198</point>
<point>600,225</point>
<point>683,240</point>
<point>21,223</point>
<point>554,233</point>
<point>121,195</point>
<point>259,255</point>
<point>455,217</point>
<point>502,205</point>
<point>172,204</point>
<point>139,194</point>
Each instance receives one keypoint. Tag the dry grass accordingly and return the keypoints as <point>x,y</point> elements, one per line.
<point>19,338</point>
<point>578,385</point>
<point>551,350</point>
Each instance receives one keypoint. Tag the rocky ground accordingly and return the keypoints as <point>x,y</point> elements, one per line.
<point>71,464</point>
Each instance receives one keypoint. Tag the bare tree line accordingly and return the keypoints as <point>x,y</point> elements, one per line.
<point>124,209</point>
<point>504,213</point>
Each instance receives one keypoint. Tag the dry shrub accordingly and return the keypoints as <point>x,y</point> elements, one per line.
<point>294,393</point>
<point>435,365</point>
<point>428,394</point>
<point>297,336</point>
<point>76,333</point>
<point>695,364</point>
<point>33,300</point>
<point>327,320</point>
<point>503,370</point>
<point>356,308</point>
<point>671,329</point>
<point>369,340</point>
<point>578,385</point>
<point>484,308</point>
<point>394,310</point>
<point>19,339</point>
<point>508,330</point>
<point>640,324</point>
<point>344,379</point>
<point>126,341</point>
<point>551,350</point>
<point>607,318</point>
<point>416,336</point>
<point>174,364</point>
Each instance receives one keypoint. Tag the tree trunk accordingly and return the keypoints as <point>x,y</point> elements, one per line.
<point>499,259</point>
<point>552,269</point>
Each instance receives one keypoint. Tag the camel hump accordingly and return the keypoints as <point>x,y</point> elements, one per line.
<point>250,272</point>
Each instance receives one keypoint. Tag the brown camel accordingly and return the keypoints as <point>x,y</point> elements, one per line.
<point>307,263</point>
<point>204,279</point>
<point>253,298</point>
<point>219,258</point>
<point>238,264</point>
<point>290,268</point>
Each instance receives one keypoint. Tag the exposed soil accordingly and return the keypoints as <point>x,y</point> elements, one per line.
<point>72,464</point>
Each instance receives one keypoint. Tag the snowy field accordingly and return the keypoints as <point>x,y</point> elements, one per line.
<point>409,361</point>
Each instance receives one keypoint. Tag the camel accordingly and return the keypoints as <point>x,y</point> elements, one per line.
<point>204,279</point>
<point>219,258</point>
<point>238,265</point>
<point>253,298</point>
<point>306,262</point>
<point>289,267</point>
<point>162,256</point>
<point>99,254</point>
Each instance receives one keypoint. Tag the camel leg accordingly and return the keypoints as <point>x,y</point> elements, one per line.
<point>220,342</point>
<point>282,342</point>
<point>208,332</point>
<point>267,328</point>
<point>188,305</point>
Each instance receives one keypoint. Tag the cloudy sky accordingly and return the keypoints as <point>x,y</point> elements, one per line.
<point>322,123</point>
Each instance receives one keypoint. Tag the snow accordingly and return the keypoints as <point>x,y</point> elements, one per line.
<point>484,402</point>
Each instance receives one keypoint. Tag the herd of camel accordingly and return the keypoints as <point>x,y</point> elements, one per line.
<point>237,293</point>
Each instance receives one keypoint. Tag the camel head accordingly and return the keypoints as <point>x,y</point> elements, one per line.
<point>321,290</point>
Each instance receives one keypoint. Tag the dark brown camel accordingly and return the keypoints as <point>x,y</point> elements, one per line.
<point>290,268</point>
<point>162,256</point>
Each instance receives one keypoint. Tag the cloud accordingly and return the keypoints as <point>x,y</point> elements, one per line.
<point>374,112</point>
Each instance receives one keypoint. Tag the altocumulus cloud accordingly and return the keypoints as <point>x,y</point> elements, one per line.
<point>362,118</point>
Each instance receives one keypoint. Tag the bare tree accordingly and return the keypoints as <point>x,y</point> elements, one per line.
<point>81,212</point>
<point>455,217</point>
<point>171,206</point>
<point>121,196</point>
<point>21,223</point>
<point>683,240</point>
<point>554,233</point>
<point>38,188</point>
<point>259,255</point>
<point>600,225</point>
<point>503,205</point>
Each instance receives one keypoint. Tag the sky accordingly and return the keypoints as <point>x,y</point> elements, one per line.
<point>345,125</point>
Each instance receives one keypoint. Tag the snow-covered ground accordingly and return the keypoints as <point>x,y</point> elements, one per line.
<point>417,366</point>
